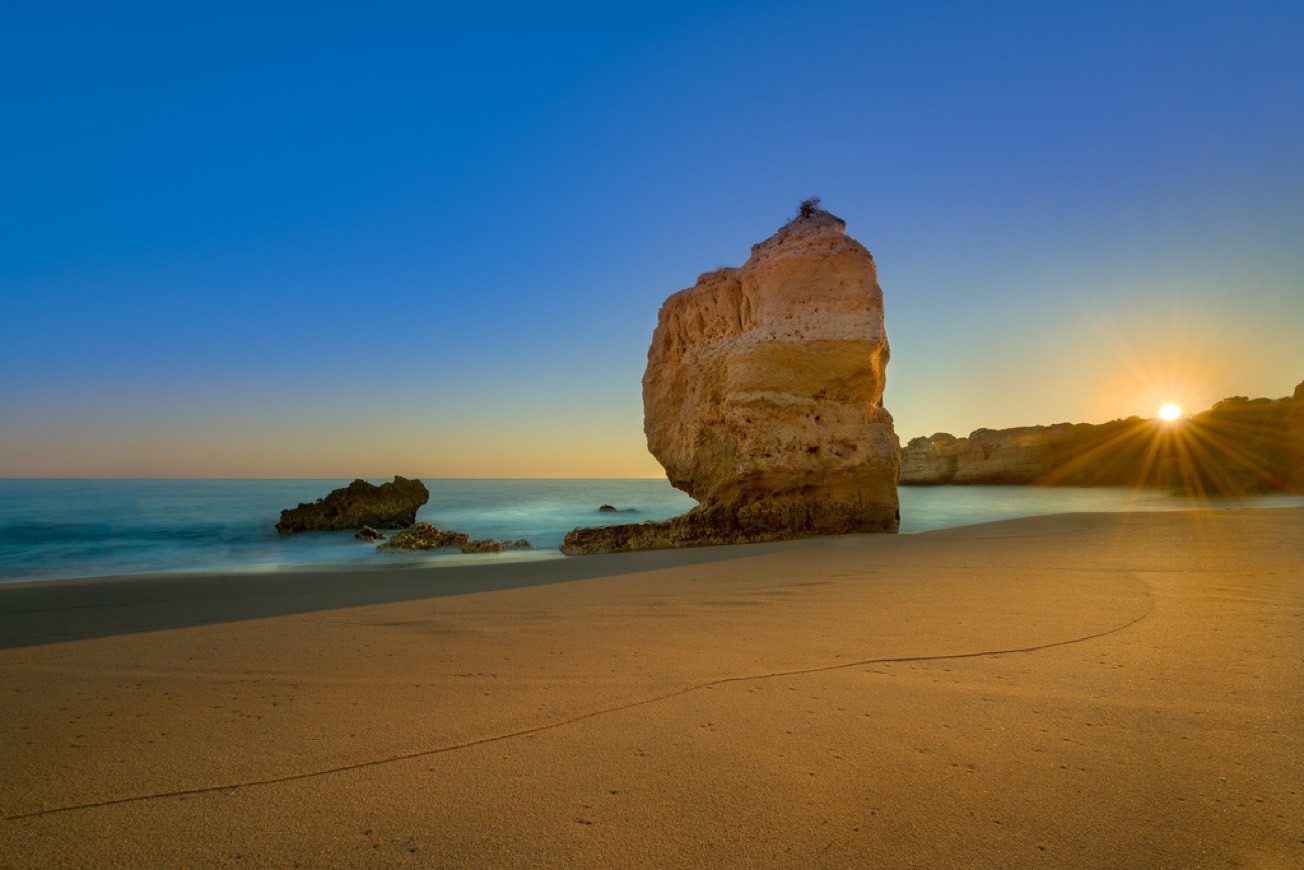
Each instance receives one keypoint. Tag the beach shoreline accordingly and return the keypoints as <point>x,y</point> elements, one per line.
<point>74,530</point>
<point>1070,690</point>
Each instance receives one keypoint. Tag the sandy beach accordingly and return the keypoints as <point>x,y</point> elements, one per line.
<point>1087,690</point>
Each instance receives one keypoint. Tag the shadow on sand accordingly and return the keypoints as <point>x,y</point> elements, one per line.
<point>32,614</point>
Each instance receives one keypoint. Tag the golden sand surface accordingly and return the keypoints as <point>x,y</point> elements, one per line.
<point>1087,690</point>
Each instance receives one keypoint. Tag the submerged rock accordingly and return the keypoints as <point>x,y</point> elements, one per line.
<point>763,398</point>
<point>492,546</point>
<point>424,536</point>
<point>391,505</point>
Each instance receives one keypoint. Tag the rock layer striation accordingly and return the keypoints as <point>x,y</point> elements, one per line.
<point>763,398</point>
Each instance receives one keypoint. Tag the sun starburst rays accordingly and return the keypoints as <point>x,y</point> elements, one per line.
<point>1213,454</point>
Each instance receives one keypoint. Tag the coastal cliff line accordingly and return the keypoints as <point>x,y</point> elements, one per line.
<point>1240,445</point>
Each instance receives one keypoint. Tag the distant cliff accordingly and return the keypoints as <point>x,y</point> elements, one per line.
<point>1239,445</point>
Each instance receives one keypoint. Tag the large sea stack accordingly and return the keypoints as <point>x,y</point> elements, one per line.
<point>391,505</point>
<point>763,398</point>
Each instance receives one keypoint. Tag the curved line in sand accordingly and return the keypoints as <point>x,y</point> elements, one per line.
<point>551,726</point>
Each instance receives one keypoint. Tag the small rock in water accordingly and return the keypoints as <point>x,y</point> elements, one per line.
<point>607,509</point>
<point>367,533</point>
<point>391,505</point>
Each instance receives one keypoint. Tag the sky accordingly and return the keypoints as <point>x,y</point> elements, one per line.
<point>358,240</point>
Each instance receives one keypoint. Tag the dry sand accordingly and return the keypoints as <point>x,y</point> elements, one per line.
<point>1081,691</point>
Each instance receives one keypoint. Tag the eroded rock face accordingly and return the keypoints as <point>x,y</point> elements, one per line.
<point>391,505</point>
<point>1012,456</point>
<point>929,460</point>
<point>763,398</point>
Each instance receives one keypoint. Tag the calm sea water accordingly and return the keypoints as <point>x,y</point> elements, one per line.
<point>52,529</point>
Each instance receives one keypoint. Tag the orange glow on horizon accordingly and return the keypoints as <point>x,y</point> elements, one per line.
<point>1158,360</point>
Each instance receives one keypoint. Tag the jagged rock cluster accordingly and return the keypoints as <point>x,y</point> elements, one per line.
<point>391,505</point>
<point>1239,445</point>
<point>763,398</point>
<point>366,507</point>
<point>424,536</point>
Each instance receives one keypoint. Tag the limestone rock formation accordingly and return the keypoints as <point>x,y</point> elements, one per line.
<point>424,536</point>
<point>391,505</point>
<point>929,460</point>
<point>763,398</point>
<point>1023,455</point>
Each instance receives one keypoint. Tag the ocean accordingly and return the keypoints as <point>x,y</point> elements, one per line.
<point>57,529</point>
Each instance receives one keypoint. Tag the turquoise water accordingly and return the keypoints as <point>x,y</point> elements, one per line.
<point>52,529</point>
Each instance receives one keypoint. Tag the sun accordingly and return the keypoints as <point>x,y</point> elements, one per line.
<point>1170,411</point>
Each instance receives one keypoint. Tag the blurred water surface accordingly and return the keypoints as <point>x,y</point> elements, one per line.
<point>52,529</point>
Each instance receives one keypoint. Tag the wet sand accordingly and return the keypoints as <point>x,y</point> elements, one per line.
<point>1122,690</point>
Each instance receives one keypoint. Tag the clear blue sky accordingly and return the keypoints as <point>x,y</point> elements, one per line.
<point>263,239</point>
